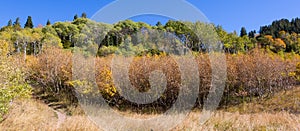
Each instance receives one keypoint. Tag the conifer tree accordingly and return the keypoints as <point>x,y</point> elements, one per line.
<point>9,23</point>
<point>75,17</point>
<point>48,22</point>
<point>243,32</point>
<point>28,23</point>
<point>83,15</point>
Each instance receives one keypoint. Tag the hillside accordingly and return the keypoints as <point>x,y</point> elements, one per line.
<point>47,69</point>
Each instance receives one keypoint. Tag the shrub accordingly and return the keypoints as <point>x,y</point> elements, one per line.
<point>255,74</point>
<point>50,74</point>
<point>12,81</point>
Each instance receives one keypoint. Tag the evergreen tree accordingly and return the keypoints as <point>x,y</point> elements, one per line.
<point>251,34</point>
<point>48,22</point>
<point>75,17</point>
<point>83,15</point>
<point>243,32</point>
<point>158,23</point>
<point>9,23</point>
<point>28,23</point>
<point>17,24</point>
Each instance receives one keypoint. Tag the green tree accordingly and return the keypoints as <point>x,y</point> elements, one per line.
<point>17,25</point>
<point>66,31</point>
<point>50,38</point>
<point>83,15</point>
<point>251,34</point>
<point>183,32</point>
<point>9,23</point>
<point>75,17</point>
<point>48,22</point>
<point>9,26</point>
<point>158,23</point>
<point>159,26</point>
<point>243,32</point>
<point>21,40</point>
<point>35,46</point>
<point>29,23</point>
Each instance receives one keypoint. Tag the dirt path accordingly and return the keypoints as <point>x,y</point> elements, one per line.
<point>61,118</point>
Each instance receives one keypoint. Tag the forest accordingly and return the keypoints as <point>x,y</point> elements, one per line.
<point>37,62</point>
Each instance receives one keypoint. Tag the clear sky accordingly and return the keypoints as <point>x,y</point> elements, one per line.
<point>231,14</point>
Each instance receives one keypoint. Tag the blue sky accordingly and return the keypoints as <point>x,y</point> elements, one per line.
<point>231,14</point>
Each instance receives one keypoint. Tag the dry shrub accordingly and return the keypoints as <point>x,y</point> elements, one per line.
<point>258,74</point>
<point>139,74</point>
<point>255,74</point>
<point>50,73</point>
<point>12,82</point>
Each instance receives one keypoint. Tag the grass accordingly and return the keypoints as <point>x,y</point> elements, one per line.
<point>30,115</point>
<point>259,115</point>
<point>287,101</point>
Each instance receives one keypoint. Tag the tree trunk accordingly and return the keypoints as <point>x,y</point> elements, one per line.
<point>34,48</point>
<point>17,46</point>
<point>25,50</point>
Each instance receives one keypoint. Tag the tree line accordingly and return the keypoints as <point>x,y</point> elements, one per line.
<point>279,37</point>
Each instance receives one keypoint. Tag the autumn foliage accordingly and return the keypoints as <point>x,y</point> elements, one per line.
<point>256,74</point>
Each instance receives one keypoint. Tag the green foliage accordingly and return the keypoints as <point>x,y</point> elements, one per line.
<point>83,15</point>
<point>17,24</point>
<point>9,23</point>
<point>48,22</point>
<point>107,50</point>
<point>196,36</point>
<point>75,17</point>
<point>185,33</point>
<point>252,34</point>
<point>66,31</point>
<point>243,32</point>
<point>29,23</point>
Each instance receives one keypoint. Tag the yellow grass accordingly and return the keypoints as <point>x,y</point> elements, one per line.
<point>288,101</point>
<point>33,115</point>
<point>30,115</point>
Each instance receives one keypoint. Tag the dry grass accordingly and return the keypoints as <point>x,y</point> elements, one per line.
<point>235,121</point>
<point>30,115</point>
<point>33,115</point>
<point>287,101</point>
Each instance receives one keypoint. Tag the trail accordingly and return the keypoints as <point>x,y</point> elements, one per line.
<point>61,118</point>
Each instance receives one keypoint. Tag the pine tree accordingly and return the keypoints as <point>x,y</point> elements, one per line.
<point>251,34</point>
<point>9,23</point>
<point>83,15</point>
<point>29,23</point>
<point>75,17</point>
<point>48,22</point>
<point>158,23</point>
<point>243,32</point>
<point>17,24</point>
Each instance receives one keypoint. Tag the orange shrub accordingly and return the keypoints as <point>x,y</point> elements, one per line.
<point>50,73</point>
<point>255,74</point>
